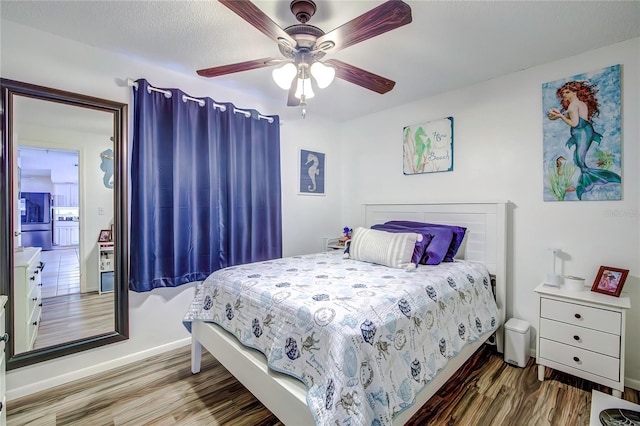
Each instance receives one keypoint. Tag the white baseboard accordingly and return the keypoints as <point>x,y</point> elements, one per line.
<point>94,369</point>
<point>632,383</point>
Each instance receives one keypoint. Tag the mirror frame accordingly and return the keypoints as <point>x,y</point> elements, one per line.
<point>11,88</point>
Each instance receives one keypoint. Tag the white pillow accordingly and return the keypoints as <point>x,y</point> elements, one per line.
<point>384,248</point>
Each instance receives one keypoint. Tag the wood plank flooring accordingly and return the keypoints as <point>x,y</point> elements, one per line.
<point>75,316</point>
<point>162,391</point>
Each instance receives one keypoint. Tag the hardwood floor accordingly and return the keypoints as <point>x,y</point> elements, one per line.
<point>75,316</point>
<point>162,391</point>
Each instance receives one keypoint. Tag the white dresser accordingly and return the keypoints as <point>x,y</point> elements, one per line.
<point>3,339</point>
<point>582,333</point>
<point>27,297</point>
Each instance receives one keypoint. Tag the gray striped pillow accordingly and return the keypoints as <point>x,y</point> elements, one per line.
<point>384,248</point>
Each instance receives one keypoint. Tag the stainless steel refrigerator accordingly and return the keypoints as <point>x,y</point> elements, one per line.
<point>35,218</point>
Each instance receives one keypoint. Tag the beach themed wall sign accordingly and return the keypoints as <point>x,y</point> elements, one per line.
<point>428,147</point>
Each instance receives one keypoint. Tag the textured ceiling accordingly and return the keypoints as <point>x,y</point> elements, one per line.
<point>449,44</point>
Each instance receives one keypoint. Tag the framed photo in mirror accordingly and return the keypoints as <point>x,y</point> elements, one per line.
<point>105,235</point>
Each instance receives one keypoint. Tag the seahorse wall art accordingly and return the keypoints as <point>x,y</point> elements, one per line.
<point>312,172</point>
<point>107,167</point>
<point>428,147</point>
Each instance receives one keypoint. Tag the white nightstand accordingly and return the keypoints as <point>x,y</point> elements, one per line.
<point>331,244</point>
<point>582,333</point>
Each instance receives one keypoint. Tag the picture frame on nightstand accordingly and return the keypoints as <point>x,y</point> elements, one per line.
<point>610,280</point>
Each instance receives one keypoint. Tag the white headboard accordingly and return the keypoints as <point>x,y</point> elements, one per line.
<point>486,237</point>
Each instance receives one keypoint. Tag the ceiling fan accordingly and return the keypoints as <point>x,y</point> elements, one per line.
<point>303,45</point>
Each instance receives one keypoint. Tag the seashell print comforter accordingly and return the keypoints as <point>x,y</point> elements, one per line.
<point>364,338</point>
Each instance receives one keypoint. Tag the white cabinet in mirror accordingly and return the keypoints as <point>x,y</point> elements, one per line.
<point>4,337</point>
<point>65,194</point>
<point>27,297</point>
<point>66,226</point>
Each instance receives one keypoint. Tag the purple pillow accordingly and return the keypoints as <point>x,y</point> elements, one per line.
<point>419,250</point>
<point>458,232</point>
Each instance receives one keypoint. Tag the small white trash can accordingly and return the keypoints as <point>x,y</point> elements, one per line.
<point>516,342</point>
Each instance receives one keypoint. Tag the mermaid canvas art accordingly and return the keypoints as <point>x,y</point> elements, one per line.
<point>582,144</point>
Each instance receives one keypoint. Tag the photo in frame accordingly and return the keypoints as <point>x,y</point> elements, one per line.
<point>428,147</point>
<point>311,178</point>
<point>610,281</point>
<point>105,235</point>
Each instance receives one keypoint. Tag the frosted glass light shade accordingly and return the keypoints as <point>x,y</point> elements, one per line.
<point>284,75</point>
<point>304,86</point>
<point>323,74</point>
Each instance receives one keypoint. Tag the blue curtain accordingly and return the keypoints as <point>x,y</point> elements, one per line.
<point>205,188</point>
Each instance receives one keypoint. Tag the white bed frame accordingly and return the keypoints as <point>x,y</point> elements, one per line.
<point>285,396</point>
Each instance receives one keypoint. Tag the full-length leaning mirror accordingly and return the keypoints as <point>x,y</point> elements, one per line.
<point>63,206</point>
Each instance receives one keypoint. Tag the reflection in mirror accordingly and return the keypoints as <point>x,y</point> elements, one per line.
<point>65,226</point>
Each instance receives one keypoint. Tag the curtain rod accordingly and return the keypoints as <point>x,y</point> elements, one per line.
<point>168,94</point>
<point>201,102</point>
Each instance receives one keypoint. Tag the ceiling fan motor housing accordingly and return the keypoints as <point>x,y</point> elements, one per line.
<point>303,10</point>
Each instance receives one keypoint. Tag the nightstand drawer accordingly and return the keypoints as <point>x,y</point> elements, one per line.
<point>591,362</point>
<point>581,315</point>
<point>585,338</point>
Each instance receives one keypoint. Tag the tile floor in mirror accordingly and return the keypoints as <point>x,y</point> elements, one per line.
<point>61,273</point>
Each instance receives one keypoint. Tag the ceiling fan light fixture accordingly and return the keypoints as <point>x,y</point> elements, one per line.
<point>304,89</point>
<point>284,75</point>
<point>323,74</point>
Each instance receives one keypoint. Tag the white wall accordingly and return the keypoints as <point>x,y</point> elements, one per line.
<point>155,317</point>
<point>498,156</point>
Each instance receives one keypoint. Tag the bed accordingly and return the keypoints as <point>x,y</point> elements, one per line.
<point>357,385</point>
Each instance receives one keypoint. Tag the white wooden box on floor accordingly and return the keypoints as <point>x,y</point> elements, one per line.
<point>601,401</point>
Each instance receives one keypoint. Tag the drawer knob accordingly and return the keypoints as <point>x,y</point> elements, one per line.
<point>32,278</point>
<point>36,323</point>
<point>34,299</point>
<point>576,337</point>
<point>578,316</point>
<point>5,338</point>
<point>576,359</point>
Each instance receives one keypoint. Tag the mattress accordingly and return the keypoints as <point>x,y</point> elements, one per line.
<point>362,337</point>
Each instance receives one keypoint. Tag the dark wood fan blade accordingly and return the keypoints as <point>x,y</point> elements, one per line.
<point>256,17</point>
<point>362,78</point>
<point>240,66</point>
<point>386,17</point>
